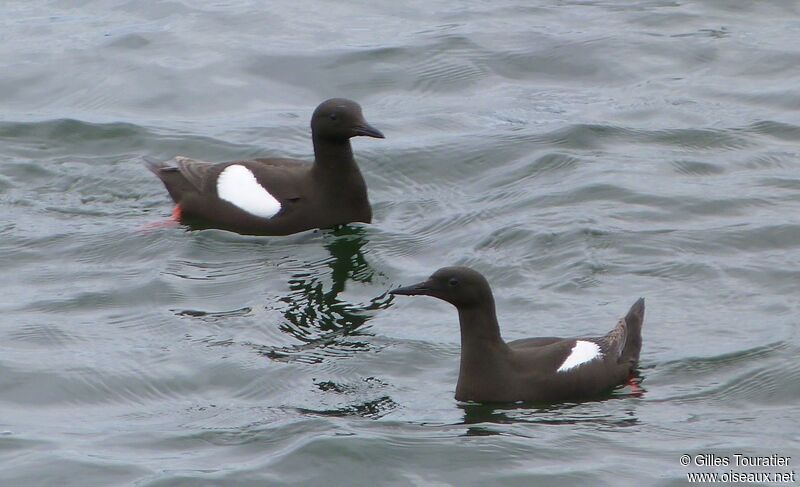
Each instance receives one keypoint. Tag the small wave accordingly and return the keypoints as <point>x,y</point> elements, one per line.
<point>756,375</point>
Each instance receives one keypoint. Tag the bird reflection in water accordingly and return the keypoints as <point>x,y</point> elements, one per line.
<point>484,419</point>
<point>316,315</point>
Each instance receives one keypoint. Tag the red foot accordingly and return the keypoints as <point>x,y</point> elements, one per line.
<point>173,221</point>
<point>635,389</point>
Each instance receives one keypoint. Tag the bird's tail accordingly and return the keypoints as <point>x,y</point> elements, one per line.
<point>633,341</point>
<point>154,165</point>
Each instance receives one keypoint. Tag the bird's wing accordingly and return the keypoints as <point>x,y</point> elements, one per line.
<point>613,343</point>
<point>533,342</point>
<point>282,178</point>
<point>531,353</point>
<point>196,172</point>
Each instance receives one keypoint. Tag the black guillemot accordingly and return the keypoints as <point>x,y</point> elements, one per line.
<point>546,369</point>
<point>278,196</point>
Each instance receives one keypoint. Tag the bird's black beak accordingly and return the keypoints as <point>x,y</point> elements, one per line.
<point>414,289</point>
<point>369,131</point>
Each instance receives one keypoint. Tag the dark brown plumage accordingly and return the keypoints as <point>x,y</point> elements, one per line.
<point>293,195</point>
<point>546,369</point>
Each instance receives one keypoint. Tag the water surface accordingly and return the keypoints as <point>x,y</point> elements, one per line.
<point>580,154</point>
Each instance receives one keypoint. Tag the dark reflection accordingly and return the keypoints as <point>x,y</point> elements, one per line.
<point>211,317</point>
<point>310,303</point>
<point>481,416</point>
<point>480,413</point>
<point>315,314</point>
<point>373,409</point>
<point>340,388</point>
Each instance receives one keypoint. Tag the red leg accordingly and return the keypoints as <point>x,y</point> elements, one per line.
<point>634,385</point>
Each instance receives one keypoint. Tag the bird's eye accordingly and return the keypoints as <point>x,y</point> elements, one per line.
<point>333,116</point>
<point>453,281</point>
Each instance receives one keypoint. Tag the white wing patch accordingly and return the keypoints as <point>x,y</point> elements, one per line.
<point>237,185</point>
<point>582,352</point>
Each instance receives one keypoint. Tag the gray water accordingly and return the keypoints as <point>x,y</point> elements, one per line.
<point>579,154</point>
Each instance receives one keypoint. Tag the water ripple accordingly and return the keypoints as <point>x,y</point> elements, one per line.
<point>578,153</point>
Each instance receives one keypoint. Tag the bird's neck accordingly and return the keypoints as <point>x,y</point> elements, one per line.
<point>340,180</point>
<point>333,157</point>
<point>480,331</point>
<point>484,355</point>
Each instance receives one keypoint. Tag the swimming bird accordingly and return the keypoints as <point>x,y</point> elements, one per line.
<point>279,196</point>
<point>546,369</point>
